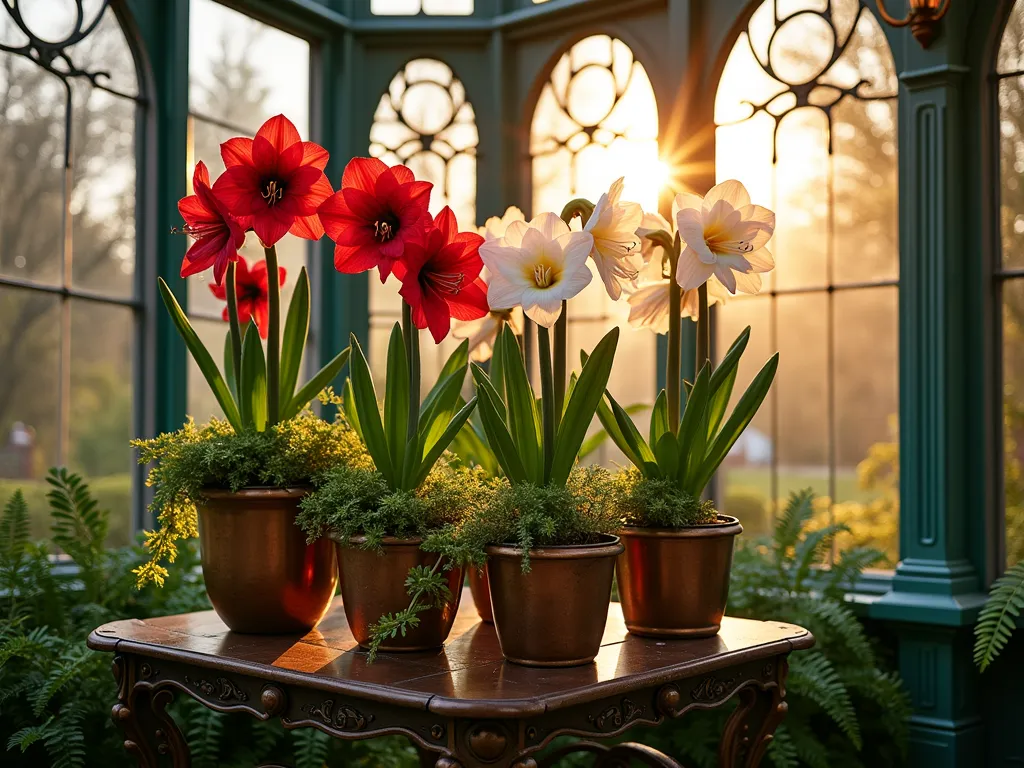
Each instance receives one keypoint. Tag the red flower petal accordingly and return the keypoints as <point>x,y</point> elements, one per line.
<point>362,173</point>
<point>261,313</point>
<point>351,260</point>
<point>402,174</point>
<point>446,224</point>
<point>363,205</point>
<point>314,154</point>
<point>470,303</point>
<point>220,291</point>
<point>200,176</point>
<point>193,266</point>
<point>271,226</point>
<point>236,151</point>
<point>308,227</point>
<point>264,156</point>
<point>280,132</point>
<point>239,189</point>
<point>437,314</point>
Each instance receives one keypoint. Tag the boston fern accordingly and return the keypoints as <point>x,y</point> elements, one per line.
<point>999,616</point>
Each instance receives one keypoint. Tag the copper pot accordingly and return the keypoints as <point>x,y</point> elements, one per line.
<point>674,582</point>
<point>481,592</point>
<point>553,616</point>
<point>373,584</point>
<point>261,575</point>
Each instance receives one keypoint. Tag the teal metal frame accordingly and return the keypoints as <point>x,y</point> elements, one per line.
<point>949,397</point>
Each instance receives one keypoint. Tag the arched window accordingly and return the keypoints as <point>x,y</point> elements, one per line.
<point>806,117</point>
<point>424,121</point>
<point>1010,271</point>
<point>596,119</point>
<point>69,305</point>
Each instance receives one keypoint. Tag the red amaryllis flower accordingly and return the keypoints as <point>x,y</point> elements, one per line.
<point>276,181</point>
<point>218,235</point>
<point>441,277</point>
<point>375,214</point>
<point>250,293</point>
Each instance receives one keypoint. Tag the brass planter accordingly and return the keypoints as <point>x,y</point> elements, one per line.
<point>674,582</point>
<point>373,584</point>
<point>553,616</point>
<point>481,592</point>
<point>261,575</point>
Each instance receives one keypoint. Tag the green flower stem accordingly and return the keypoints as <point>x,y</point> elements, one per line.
<point>547,398</point>
<point>274,336</point>
<point>583,208</point>
<point>703,329</point>
<point>412,352</point>
<point>236,331</point>
<point>673,373</point>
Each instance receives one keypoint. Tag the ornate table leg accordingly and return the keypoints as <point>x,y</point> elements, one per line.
<point>150,733</point>
<point>751,727</point>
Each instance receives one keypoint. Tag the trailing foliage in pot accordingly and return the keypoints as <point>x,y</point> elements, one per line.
<point>846,708</point>
<point>409,501</point>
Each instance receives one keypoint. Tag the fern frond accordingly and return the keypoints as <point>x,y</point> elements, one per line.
<point>65,739</point>
<point>781,752</point>
<point>69,668</point>
<point>798,511</point>
<point>836,621</point>
<point>203,729</point>
<point>812,675</point>
<point>809,749</point>
<point>812,549</point>
<point>15,691</point>
<point>998,618</point>
<point>14,530</point>
<point>843,574</point>
<point>310,747</point>
<point>28,736</point>
<point>79,525</point>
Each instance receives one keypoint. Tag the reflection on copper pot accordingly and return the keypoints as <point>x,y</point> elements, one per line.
<point>261,575</point>
<point>553,616</point>
<point>373,584</point>
<point>481,592</point>
<point>674,582</point>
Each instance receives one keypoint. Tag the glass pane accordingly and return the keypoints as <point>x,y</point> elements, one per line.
<point>1011,153</point>
<point>32,109</point>
<point>242,71</point>
<point>867,411</point>
<point>29,392</point>
<point>101,407</point>
<point>105,49</point>
<point>103,196</point>
<point>1013,417</point>
<point>1011,49</point>
<point>202,405</point>
<point>412,7</point>
<point>745,481</point>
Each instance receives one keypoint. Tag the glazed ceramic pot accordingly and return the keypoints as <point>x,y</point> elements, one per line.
<point>261,575</point>
<point>373,585</point>
<point>553,616</point>
<point>674,582</point>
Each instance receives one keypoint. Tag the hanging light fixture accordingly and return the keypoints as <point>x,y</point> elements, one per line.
<point>923,16</point>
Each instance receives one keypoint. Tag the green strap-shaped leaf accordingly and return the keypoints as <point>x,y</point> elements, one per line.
<point>202,357</point>
<point>693,415</point>
<point>647,462</point>
<point>492,416</point>
<point>611,428</point>
<point>252,382</point>
<point>659,419</point>
<point>523,415</point>
<point>581,408</point>
<point>365,397</point>
<point>444,441</point>
<point>597,439</point>
<point>296,330</point>
<point>315,385</point>
<point>742,415</point>
<point>667,453</point>
<point>434,420</point>
<point>496,369</point>
<point>722,381</point>
<point>457,361</point>
<point>348,405</point>
<point>229,366</point>
<point>470,445</point>
<point>396,402</point>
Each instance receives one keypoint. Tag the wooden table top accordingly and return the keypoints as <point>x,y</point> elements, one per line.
<point>468,678</point>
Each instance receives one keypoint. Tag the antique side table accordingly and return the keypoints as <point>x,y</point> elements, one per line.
<point>463,706</point>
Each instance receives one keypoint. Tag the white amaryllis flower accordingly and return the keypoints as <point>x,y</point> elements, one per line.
<point>537,266</point>
<point>723,235</point>
<point>495,226</point>
<point>648,304</point>
<point>482,333</point>
<point>616,246</point>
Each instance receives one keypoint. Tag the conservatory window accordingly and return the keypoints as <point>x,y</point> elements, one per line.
<point>596,119</point>
<point>413,7</point>
<point>424,121</point>
<point>70,310</point>
<point>241,72</point>
<point>806,116</point>
<point>1010,272</point>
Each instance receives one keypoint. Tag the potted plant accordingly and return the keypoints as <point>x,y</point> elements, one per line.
<point>548,532</point>
<point>237,481</point>
<point>673,577</point>
<point>398,592</point>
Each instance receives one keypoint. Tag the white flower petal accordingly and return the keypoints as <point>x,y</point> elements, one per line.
<point>761,260</point>
<point>543,306</point>
<point>514,233</point>
<point>574,280</point>
<point>727,276</point>
<point>502,260</point>
<point>575,246</point>
<point>648,307</point>
<point>691,272</point>
<point>549,224</point>
<point>747,282</point>
<point>503,294</point>
<point>733,192</point>
<point>687,201</point>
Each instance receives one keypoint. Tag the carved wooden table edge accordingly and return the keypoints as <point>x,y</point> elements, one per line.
<point>146,685</point>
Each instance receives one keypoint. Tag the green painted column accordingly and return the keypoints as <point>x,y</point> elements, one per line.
<point>162,30</point>
<point>936,591</point>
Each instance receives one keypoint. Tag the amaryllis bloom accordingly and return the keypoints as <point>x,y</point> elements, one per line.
<point>440,277</point>
<point>537,266</point>
<point>648,304</point>
<point>613,225</point>
<point>250,293</point>
<point>218,235</point>
<point>483,331</point>
<point>276,181</point>
<point>373,217</point>
<point>495,226</point>
<point>723,235</point>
